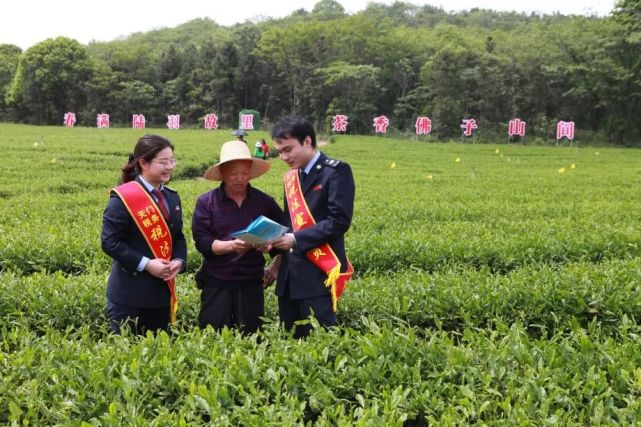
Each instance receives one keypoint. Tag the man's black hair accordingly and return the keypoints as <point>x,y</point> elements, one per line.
<point>294,127</point>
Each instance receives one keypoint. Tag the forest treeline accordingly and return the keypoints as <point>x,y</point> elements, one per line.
<point>401,60</point>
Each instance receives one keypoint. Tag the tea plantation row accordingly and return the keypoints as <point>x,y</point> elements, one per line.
<point>390,374</point>
<point>541,298</point>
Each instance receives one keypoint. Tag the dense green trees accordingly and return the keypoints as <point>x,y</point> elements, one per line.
<point>400,60</point>
<point>50,80</point>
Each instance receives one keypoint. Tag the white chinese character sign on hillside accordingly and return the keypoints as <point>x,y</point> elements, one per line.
<point>173,121</point>
<point>211,121</point>
<point>423,125</point>
<point>339,123</point>
<point>102,121</point>
<point>70,119</point>
<point>565,129</point>
<point>138,121</point>
<point>468,126</point>
<point>380,124</point>
<point>246,121</point>
<point>516,127</point>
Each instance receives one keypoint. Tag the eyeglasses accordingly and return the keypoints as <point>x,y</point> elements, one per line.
<point>166,162</point>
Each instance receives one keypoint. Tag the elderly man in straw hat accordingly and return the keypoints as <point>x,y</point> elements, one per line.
<point>233,272</point>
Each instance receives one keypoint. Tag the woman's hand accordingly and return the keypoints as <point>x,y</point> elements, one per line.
<point>159,268</point>
<point>174,268</point>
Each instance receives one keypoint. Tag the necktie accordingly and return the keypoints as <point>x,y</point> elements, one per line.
<point>303,175</point>
<point>161,203</point>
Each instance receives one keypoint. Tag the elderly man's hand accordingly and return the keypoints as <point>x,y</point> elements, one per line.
<point>269,276</point>
<point>238,246</point>
<point>271,272</point>
<point>264,248</point>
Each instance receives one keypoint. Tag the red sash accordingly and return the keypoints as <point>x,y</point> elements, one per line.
<point>323,256</point>
<point>152,225</point>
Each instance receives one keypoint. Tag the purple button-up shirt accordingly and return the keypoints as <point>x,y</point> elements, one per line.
<point>216,216</point>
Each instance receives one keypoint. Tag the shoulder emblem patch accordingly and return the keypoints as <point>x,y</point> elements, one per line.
<point>332,162</point>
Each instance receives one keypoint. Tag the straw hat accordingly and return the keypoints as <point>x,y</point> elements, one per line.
<point>236,150</point>
<point>240,132</point>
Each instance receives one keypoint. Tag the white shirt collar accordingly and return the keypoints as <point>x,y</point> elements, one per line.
<point>147,185</point>
<point>309,165</point>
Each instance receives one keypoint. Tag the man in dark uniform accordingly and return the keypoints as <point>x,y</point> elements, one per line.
<point>328,189</point>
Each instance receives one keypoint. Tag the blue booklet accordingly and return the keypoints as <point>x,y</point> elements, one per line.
<point>260,231</point>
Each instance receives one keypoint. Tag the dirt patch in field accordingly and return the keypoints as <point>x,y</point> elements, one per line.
<point>323,142</point>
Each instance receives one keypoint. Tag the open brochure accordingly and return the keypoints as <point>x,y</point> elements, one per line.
<point>260,231</point>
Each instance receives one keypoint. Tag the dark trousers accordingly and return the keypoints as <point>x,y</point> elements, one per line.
<point>242,308</point>
<point>293,310</point>
<point>138,320</point>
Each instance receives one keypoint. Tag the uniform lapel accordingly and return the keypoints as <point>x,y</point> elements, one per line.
<point>172,205</point>
<point>313,173</point>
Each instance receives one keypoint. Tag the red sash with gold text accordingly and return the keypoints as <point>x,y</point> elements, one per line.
<point>323,256</point>
<point>152,225</point>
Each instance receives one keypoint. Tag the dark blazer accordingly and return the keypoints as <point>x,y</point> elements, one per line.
<point>123,242</point>
<point>329,192</point>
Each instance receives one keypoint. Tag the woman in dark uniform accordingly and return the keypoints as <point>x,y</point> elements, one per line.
<point>142,232</point>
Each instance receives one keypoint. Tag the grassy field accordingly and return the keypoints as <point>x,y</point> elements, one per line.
<point>494,284</point>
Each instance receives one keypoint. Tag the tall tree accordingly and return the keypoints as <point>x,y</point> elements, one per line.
<point>50,80</point>
<point>453,76</point>
<point>353,90</point>
<point>627,54</point>
<point>328,9</point>
<point>136,98</point>
<point>9,58</point>
<point>293,54</point>
<point>103,93</point>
